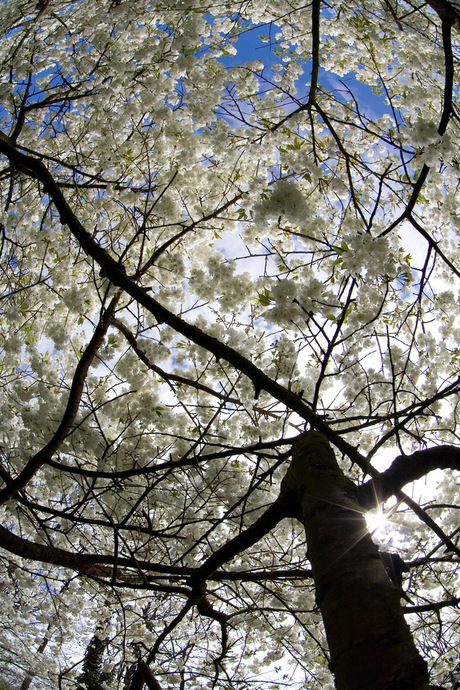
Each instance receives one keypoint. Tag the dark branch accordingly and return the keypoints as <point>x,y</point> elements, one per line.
<point>76,389</point>
<point>116,273</point>
<point>405,469</point>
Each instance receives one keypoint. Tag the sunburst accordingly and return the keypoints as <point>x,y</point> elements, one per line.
<point>377,520</point>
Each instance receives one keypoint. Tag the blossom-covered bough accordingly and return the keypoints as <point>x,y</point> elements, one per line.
<point>230,329</point>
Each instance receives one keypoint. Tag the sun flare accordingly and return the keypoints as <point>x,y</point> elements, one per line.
<point>377,520</point>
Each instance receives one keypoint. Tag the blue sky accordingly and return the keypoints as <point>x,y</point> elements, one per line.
<point>250,46</point>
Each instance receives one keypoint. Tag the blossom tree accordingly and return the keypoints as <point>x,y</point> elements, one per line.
<point>230,333</point>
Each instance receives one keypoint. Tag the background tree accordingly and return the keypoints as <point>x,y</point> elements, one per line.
<point>202,257</point>
<point>93,677</point>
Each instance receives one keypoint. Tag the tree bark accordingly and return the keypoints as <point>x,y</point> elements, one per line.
<point>93,677</point>
<point>405,469</point>
<point>370,643</point>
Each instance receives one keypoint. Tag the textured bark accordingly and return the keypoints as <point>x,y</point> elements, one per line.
<point>444,8</point>
<point>369,641</point>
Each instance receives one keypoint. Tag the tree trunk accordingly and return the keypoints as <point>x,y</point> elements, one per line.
<point>369,641</point>
<point>93,677</point>
<point>30,676</point>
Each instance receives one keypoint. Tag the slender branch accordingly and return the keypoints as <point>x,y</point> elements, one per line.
<point>116,273</point>
<point>435,606</point>
<point>76,390</point>
<point>433,244</point>
<point>267,521</point>
<point>101,565</point>
<point>185,230</point>
<point>169,628</point>
<point>448,16</point>
<point>169,376</point>
<point>424,517</point>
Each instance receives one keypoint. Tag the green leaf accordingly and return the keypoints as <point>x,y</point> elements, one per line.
<point>264,298</point>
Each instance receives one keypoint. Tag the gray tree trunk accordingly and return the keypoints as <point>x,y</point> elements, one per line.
<point>370,643</point>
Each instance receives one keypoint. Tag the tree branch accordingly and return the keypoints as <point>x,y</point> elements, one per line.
<point>76,389</point>
<point>315,37</point>
<point>405,469</point>
<point>34,167</point>
<point>267,521</point>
